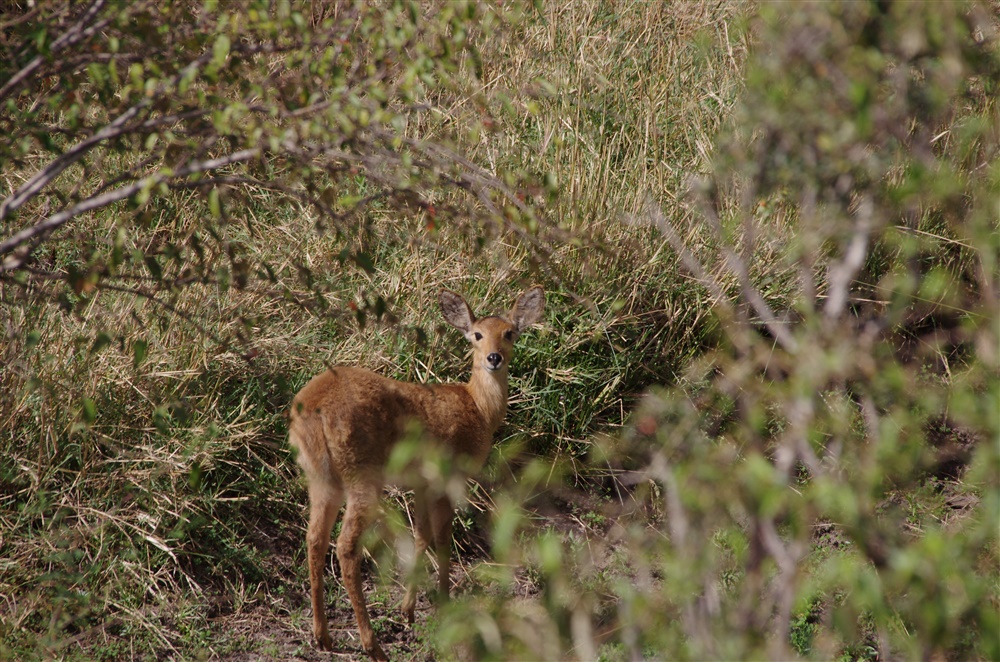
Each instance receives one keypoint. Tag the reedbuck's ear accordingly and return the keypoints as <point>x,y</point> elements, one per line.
<point>528,308</point>
<point>456,311</point>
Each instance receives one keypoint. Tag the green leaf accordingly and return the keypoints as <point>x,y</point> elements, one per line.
<point>223,277</point>
<point>101,341</point>
<point>365,261</point>
<point>139,351</point>
<point>350,201</point>
<point>188,77</point>
<point>136,76</point>
<point>98,74</point>
<point>162,420</point>
<point>220,51</point>
<point>214,205</point>
<point>154,267</point>
<point>194,478</point>
<point>88,411</point>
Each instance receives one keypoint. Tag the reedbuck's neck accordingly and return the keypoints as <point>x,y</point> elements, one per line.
<point>489,391</point>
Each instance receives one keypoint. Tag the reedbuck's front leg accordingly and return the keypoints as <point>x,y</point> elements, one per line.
<point>442,514</point>
<point>432,528</point>
<point>422,537</point>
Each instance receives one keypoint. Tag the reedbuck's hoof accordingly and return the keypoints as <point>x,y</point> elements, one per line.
<point>324,641</point>
<point>408,608</point>
<point>377,654</point>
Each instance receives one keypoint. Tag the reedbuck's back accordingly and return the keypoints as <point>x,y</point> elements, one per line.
<point>345,423</point>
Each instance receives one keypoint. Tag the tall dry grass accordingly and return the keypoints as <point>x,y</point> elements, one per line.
<point>146,491</point>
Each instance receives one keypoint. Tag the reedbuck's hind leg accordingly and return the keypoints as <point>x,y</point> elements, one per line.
<point>362,506</point>
<point>325,500</point>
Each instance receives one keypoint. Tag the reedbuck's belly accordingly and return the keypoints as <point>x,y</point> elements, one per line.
<point>423,463</point>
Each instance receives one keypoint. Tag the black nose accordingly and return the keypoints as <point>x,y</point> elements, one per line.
<point>494,360</point>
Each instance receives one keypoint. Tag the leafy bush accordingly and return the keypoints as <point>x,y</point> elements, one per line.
<point>823,482</point>
<point>203,205</point>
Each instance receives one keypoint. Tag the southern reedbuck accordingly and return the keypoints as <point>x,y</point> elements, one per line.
<point>345,423</point>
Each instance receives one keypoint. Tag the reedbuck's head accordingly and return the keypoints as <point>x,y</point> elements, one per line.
<point>492,337</point>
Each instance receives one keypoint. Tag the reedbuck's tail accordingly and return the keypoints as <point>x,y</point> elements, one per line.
<point>345,423</point>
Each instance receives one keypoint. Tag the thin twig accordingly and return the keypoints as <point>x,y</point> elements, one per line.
<point>841,275</point>
<point>47,226</point>
<point>78,31</point>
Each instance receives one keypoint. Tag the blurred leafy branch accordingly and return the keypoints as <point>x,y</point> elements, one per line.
<point>864,155</point>
<point>145,104</point>
<point>823,481</point>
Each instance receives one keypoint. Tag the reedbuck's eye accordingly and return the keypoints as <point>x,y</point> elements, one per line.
<point>477,335</point>
<point>508,335</point>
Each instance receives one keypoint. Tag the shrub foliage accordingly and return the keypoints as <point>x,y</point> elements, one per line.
<point>760,421</point>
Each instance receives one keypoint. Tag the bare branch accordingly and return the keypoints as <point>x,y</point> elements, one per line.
<point>45,227</point>
<point>808,258</point>
<point>79,30</point>
<point>841,274</point>
<point>774,326</point>
<point>44,177</point>
<point>118,127</point>
<point>694,265</point>
<point>737,266</point>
